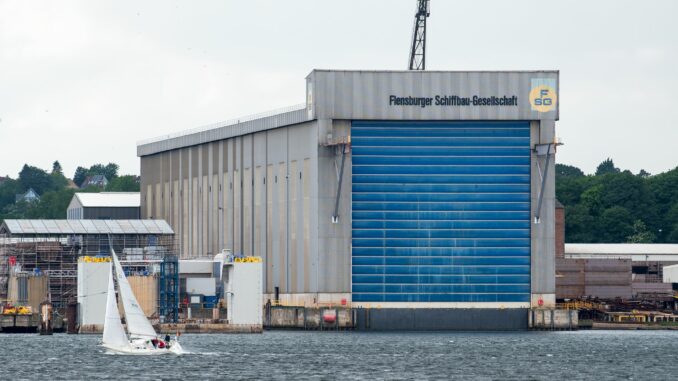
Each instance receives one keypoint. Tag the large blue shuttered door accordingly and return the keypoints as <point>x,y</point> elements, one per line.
<point>441,211</point>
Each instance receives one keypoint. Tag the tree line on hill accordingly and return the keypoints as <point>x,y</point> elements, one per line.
<point>55,189</point>
<point>615,206</point>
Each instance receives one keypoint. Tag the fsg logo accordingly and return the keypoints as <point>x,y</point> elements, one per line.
<point>543,96</point>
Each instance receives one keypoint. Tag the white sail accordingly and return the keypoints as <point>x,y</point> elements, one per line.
<point>137,323</point>
<point>114,332</point>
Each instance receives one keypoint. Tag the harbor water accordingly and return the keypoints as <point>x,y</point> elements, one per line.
<point>581,355</point>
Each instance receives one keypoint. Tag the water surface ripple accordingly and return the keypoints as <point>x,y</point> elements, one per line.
<point>583,355</point>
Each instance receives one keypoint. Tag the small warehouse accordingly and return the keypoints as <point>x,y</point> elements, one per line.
<point>104,206</point>
<point>424,195</point>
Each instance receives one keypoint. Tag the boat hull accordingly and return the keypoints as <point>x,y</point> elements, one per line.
<point>135,349</point>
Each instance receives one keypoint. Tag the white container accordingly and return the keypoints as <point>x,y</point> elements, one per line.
<point>92,290</point>
<point>244,293</point>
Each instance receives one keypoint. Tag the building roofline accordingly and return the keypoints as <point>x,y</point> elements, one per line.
<point>621,249</point>
<point>419,72</point>
<point>223,130</point>
<point>39,227</point>
<point>273,119</point>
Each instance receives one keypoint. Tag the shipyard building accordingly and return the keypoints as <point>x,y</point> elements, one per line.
<point>425,197</point>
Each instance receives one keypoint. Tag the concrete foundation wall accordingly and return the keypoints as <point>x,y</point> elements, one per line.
<point>550,319</point>
<point>308,318</point>
<point>419,319</point>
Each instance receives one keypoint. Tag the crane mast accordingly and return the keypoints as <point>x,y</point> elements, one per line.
<point>418,51</point>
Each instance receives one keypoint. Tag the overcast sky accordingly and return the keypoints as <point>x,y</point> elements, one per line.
<point>82,81</point>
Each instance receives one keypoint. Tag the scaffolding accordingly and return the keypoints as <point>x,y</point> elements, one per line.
<point>168,288</point>
<point>56,255</point>
<point>40,256</point>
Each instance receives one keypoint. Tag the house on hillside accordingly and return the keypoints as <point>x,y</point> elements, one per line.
<point>105,206</point>
<point>29,196</point>
<point>99,181</point>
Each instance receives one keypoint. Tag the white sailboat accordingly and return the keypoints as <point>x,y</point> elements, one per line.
<point>142,339</point>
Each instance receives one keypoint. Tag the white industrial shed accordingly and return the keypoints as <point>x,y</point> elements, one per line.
<point>636,252</point>
<point>105,206</point>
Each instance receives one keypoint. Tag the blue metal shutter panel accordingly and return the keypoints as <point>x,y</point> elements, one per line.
<point>440,211</point>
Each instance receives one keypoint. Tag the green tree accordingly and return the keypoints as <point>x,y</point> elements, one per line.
<point>564,170</point>
<point>56,168</point>
<point>36,178</point>
<point>673,235</point>
<point>644,174</point>
<point>669,227</point>
<point>664,186</point>
<point>592,199</point>
<point>614,225</point>
<point>59,181</point>
<point>672,214</point>
<point>109,170</point>
<point>626,190</point>
<point>664,190</point>
<point>569,189</point>
<point>641,234</point>
<point>8,191</point>
<point>16,210</point>
<point>578,224</point>
<point>52,205</point>
<point>79,176</point>
<point>571,182</point>
<point>97,169</point>
<point>126,183</point>
<point>607,166</point>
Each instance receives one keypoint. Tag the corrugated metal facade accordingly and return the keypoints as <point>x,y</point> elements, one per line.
<point>441,211</point>
<point>251,194</point>
<point>442,221</point>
